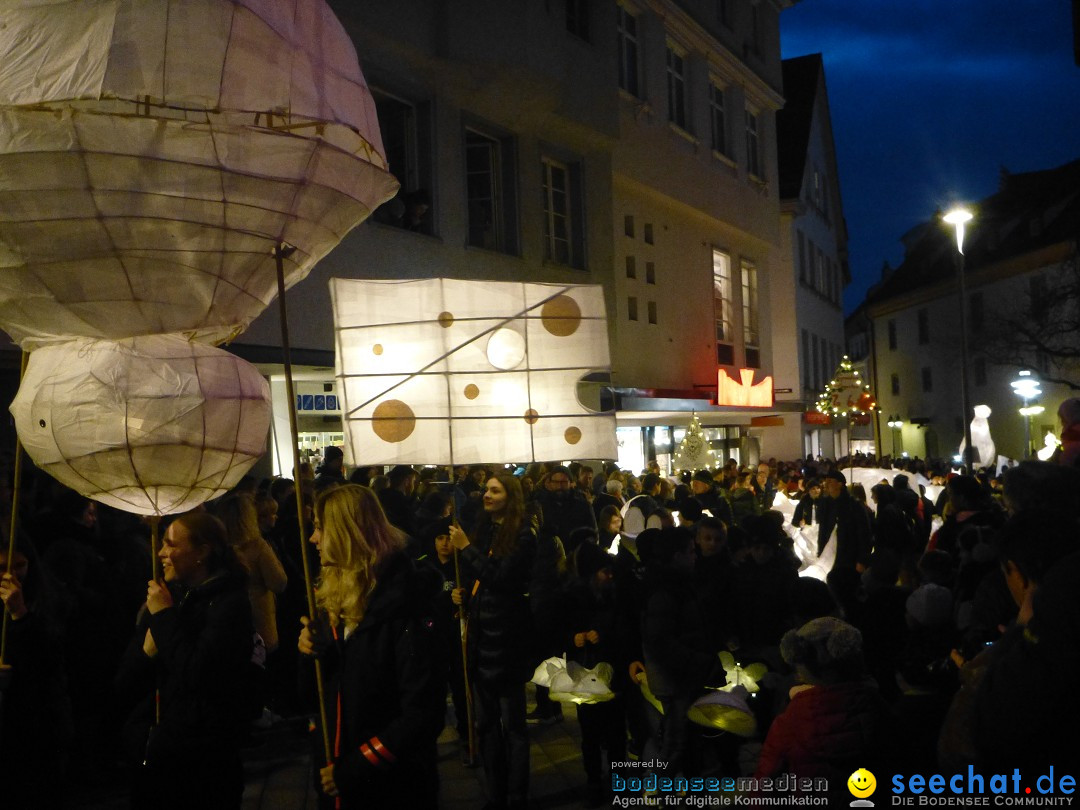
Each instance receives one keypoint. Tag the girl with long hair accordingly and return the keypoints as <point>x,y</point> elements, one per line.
<point>194,642</point>
<point>374,637</point>
<point>501,556</point>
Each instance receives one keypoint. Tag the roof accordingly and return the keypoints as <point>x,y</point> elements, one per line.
<point>801,76</point>
<point>1029,211</point>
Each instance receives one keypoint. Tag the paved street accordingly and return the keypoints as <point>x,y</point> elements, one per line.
<point>278,771</point>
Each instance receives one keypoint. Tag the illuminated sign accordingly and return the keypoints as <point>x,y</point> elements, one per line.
<point>745,393</point>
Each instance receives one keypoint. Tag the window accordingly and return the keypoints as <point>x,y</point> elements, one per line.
<point>924,327</point>
<point>564,223</point>
<point>631,267</point>
<point>577,18</point>
<point>806,379</point>
<point>652,312</point>
<point>648,235</point>
<point>895,380</point>
<point>750,315</point>
<point>650,273</point>
<point>976,312</point>
<point>892,336</point>
<point>628,225</point>
<point>628,51</point>
<point>556,181</point>
<point>406,134</point>
<point>717,120</point>
<point>489,183</point>
<point>631,307</point>
<point>723,294</point>
<point>816,344</point>
<point>753,146</point>
<point>803,274</point>
<point>927,379</point>
<point>979,371</point>
<point>676,86</point>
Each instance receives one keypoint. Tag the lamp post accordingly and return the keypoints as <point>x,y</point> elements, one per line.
<point>958,217</point>
<point>1027,387</point>
<point>896,423</point>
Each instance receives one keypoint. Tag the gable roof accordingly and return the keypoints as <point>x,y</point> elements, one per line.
<point>1029,211</point>
<point>801,76</point>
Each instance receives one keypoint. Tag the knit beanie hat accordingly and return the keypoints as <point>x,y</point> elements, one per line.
<point>824,651</point>
<point>930,605</point>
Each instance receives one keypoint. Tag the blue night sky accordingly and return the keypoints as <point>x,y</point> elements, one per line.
<point>929,98</point>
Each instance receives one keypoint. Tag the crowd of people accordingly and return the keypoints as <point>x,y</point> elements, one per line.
<point>946,633</point>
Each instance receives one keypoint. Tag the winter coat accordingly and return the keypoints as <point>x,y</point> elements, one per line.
<point>743,505</point>
<point>500,633</point>
<point>385,683</point>
<point>679,655</point>
<point>810,510</point>
<point>564,512</point>
<point>828,731</point>
<point>590,610</point>
<point>1027,702</point>
<point>854,540</point>
<point>203,670</point>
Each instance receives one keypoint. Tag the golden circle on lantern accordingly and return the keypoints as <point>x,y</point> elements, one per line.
<point>446,319</point>
<point>572,435</point>
<point>471,391</point>
<point>377,349</point>
<point>393,421</point>
<point>561,316</point>
<point>531,416</point>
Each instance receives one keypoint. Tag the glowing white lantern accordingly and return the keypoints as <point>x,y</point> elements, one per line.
<point>152,425</point>
<point>440,371</point>
<point>153,152</point>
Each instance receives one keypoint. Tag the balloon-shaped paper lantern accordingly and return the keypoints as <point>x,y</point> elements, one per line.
<point>152,152</point>
<point>152,425</point>
<point>442,371</point>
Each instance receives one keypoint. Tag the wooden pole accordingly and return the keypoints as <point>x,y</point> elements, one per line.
<point>157,575</point>
<point>14,526</point>
<point>281,250</point>
<point>471,741</point>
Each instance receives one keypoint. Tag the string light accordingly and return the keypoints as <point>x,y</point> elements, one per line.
<point>847,381</point>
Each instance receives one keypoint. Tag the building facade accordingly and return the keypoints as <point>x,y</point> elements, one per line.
<point>1021,304</point>
<point>630,144</point>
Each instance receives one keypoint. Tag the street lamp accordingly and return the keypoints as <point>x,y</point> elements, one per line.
<point>895,422</point>
<point>1027,387</point>
<point>958,217</point>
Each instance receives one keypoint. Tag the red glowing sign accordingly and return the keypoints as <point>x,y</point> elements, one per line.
<point>744,393</point>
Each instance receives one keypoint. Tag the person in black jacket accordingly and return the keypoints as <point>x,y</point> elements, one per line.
<point>379,655</point>
<point>500,636</point>
<point>194,640</point>
<point>854,538</point>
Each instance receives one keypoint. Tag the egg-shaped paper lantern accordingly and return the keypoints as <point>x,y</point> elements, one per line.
<point>153,152</point>
<point>151,425</point>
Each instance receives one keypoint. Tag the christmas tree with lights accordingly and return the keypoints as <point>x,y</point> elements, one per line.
<point>694,452</point>
<point>846,394</point>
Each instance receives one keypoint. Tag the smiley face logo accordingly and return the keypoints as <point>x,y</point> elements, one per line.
<point>862,783</point>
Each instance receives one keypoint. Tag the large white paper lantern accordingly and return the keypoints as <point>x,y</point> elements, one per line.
<point>442,371</point>
<point>152,152</point>
<point>152,425</point>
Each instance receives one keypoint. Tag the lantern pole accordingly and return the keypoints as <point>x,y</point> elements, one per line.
<point>471,742</point>
<point>155,571</point>
<point>14,526</point>
<point>281,250</point>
